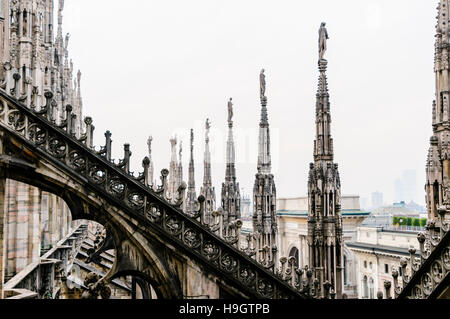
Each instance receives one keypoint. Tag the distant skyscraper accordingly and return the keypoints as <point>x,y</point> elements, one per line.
<point>364,204</point>
<point>406,187</point>
<point>377,199</point>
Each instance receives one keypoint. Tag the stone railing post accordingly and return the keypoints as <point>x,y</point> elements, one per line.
<point>89,132</point>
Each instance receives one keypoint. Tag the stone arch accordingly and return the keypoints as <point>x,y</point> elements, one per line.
<point>365,287</point>
<point>134,252</point>
<point>371,288</point>
<point>141,280</point>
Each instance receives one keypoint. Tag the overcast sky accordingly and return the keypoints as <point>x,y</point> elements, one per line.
<point>162,67</point>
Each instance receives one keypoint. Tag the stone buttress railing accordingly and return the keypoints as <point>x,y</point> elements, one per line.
<point>36,130</point>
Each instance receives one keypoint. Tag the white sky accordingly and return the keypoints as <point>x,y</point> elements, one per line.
<point>163,67</point>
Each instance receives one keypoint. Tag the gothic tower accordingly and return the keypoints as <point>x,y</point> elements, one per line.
<point>324,192</point>
<point>207,190</point>
<point>4,31</point>
<point>264,192</point>
<point>191,196</point>
<point>33,62</point>
<point>231,197</point>
<point>438,163</point>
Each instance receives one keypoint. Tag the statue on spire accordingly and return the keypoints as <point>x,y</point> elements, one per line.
<point>323,37</point>
<point>66,42</point>
<point>192,141</point>
<point>79,78</point>
<point>230,111</point>
<point>149,143</point>
<point>207,127</point>
<point>262,80</point>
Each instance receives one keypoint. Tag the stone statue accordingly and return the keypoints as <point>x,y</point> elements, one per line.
<point>207,127</point>
<point>323,37</point>
<point>66,42</point>
<point>149,143</point>
<point>230,110</point>
<point>262,79</point>
<point>79,78</point>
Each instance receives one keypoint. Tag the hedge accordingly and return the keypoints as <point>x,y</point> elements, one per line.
<point>409,221</point>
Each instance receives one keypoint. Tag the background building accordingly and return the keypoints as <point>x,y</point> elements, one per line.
<point>246,208</point>
<point>377,199</point>
<point>406,187</point>
<point>376,251</point>
<point>293,230</point>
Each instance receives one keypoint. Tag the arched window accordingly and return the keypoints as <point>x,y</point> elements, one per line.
<point>371,288</point>
<point>365,287</point>
<point>294,253</point>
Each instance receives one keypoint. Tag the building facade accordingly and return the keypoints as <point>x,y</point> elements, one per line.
<point>377,252</point>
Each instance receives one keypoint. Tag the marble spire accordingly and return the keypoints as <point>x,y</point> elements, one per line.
<point>180,165</point>
<point>191,196</point>
<point>151,168</point>
<point>207,190</point>
<point>264,192</point>
<point>172,191</point>
<point>325,240</point>
<point>437,173</point>
<point>231,198</point>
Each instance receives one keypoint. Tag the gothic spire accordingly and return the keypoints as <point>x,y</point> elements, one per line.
<point>264,192</point>
<point>324,191</point>
<point>151,169</point>
<point>438,184</point>
<point>264,157</point>
<point>60,19</point>
<point>230,173</point>
<point>191,194</point>
<point>323,145</point>
<point>180,165</point>
<point>207,190</point>
<point>173,169</point>
<point>207,157</point>
<point>231,198</point>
